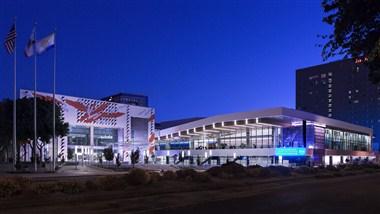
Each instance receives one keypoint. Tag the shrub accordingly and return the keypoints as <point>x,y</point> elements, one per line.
<point>138,177</point>
<point>186,173</point>
<point>332,168</point>
<point>154,177</point>
<point>43,188</point>
<point>9,188</point>
<point>108,153</point>
<point>264,172</point>
<point>214,171</point>
<point>228,170</point>
<point>370,165</point>
<point>341,166</point>
<point>22,181</point>
<point>338,174</point>
<point>110,183</point>
<point>201,177</point>
<point>234,169</point>
<point>169,175</point>
<point>254,166</point>
<point>369,170</point>
<point>71,187</point>
<point>304,170</point>
<point>324,175</point>
<point>261,172</point>
<point>352,168</point>
<point>192,175</point>
<point>253,172</point>
<point>91,185</point>
<point>348,173</point>
<point>280,171</point>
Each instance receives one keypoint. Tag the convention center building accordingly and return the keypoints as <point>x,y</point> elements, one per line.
<point>277,136</point>
<point>122,122</point>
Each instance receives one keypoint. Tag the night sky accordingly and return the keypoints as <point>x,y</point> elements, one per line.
<point>192,58</point>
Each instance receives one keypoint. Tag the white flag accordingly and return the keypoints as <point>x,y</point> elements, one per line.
<point>44,44</point>
<point>29,47</point>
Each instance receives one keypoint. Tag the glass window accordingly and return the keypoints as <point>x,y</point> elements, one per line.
<point>105,136</point>
<point>347,141</point>
<point>79,135</point>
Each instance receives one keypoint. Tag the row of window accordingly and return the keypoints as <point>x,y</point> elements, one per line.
<point>341,140</point>
<point>80,135</point>
<point>275,137</point>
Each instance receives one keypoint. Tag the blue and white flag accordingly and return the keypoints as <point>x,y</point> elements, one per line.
<point>44,44</point>
<point>29,49</point>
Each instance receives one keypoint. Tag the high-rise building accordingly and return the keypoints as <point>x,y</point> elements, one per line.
<point>340,90</point>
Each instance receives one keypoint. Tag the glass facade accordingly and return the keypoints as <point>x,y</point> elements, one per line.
<point>347,141</point>
<point>256,137</point>
<point>270,137</point>
<point>105,136</point>
<point>282,136</point>
<point>79,135</point>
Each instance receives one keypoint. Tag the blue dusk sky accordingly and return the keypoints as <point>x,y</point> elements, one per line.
<point>192,58</point>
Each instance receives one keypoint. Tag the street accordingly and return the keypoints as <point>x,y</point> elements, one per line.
<point>353,194</point>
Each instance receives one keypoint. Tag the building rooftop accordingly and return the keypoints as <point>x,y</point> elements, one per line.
<point>126,94</point>
<point>337,62</point>
<point>171,123</point>
<point>273,117</point>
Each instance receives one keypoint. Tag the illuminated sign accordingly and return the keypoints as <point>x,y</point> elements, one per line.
<point>290,151</point>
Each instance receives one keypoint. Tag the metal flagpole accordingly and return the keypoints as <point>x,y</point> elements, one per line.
<point>54,71</point>
<point>14,101</point>
<point>35,99</point>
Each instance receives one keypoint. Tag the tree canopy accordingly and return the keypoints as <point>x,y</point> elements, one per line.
<point>25,118</point>
<point>356,32</point>
<point>108,153</point>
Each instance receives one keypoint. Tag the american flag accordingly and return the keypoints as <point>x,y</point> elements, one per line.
<point>10,40</point>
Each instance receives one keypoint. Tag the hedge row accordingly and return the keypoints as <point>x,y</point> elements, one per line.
<point>136,177</point>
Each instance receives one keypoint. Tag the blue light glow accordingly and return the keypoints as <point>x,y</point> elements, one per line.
<point>290,151</point>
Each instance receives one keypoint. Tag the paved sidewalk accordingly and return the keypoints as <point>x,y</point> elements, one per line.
<point>67,171</point>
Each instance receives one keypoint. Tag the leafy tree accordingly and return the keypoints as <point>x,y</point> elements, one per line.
<point>356,32</point>
<point>135,156</point>
<point>6,128</point>
<point>25,123</point>
<point>70,153</point>
<point>100,158</point>
<point>108,153</point>
<point>118,163</point>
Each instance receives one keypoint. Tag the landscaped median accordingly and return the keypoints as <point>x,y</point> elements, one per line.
<point>147,182</point>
